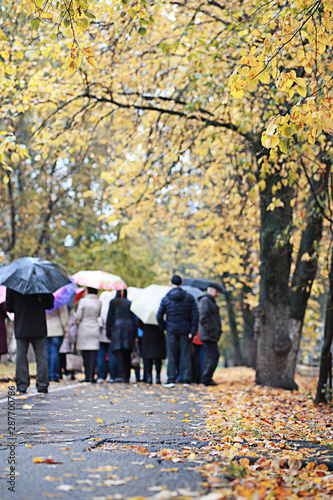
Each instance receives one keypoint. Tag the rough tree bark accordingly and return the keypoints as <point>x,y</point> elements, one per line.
<point>325,358</point>
<point>237,355</point>
<point>249,339</point>
<point>280,314</point>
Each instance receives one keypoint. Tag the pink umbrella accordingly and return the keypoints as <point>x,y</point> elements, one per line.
<point>100,280</point>
<point>2,294</point>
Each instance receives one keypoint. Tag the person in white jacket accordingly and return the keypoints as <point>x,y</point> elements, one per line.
<point>57,323</point>
<point>88,333</point>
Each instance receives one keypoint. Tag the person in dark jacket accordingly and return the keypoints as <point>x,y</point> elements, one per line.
<point>210,331</point>
<point>181,325</point>
<point>153,350</point>
<point>30,328</point>
<point>122,330</point>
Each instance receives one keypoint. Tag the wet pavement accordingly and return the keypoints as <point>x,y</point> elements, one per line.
<point>96,441</point>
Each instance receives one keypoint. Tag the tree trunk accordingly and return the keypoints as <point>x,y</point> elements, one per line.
<point>278,339</point>
<point>279,317</point>
<point>325,358</point>
<point>237,355</point>
<point>249,339</point>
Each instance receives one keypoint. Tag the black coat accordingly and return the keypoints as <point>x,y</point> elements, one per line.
<point>209,319</point>
<point>29,310</point>
<point>121,325</point>
<point>153,342</point>
<point>3,331</point>
<point>181,313</point>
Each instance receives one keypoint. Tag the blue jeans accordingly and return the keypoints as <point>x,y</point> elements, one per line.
<point>53,360</point>
<point>173,341</point>
<point>102,365</point>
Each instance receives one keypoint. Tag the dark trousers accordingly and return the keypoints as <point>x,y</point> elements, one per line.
<point>102,365</point>
<point>210,362</point>
<point>173,341</point>
<point>158,366</point>
<point>89,362</point>
<point>123,364</point>
<point>22,377</point>
<point>198,356</point>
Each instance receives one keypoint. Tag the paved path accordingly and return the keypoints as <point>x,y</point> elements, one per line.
<point>105,441</point>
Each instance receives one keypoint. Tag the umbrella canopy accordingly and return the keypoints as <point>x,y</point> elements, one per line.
<point>133,292</point>
<point>100,280</point>
<point>2,294</point>
<point>62,296</point>
<point>33,275</point>
<point>195,292</point>
<point>147,302</point>
<point>201,283</point>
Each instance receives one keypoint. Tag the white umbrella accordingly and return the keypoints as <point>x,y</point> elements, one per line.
<point>133,292</point>
<point>147,302</point>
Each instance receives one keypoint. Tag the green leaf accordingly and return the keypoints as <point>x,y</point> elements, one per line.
<point>89,14</point>
<point>283,145</point>
<point>151,19</point>
<point>124,2</point>
<point>144,22</point>
<point>35,24</point>
<point>67,23</point>
<point>142,31</point>
<point>84,24</point>
<point>3,36</point>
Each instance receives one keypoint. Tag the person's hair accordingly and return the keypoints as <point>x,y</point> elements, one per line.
<point>176,280</point>
<point>121,294</point>
<point>92,290</point>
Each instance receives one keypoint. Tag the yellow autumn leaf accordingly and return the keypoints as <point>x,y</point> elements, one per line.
<point>262,184</point>
<point>15,158</point>
<point>46,15</point>
<point>237,94</point>
<point>99,420</point>
<point>88,51</point>
<point>92,61</point>
<point>301,91</point>
<point>327,124</point>
<point>264,77</point>
<point>271,142</point>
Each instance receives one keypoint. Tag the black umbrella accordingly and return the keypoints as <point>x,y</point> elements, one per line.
<point>201,283</point>
<point>33,275</point>
<point>195,292</point>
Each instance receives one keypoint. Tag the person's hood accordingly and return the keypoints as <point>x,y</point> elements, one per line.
<point>177,294</point>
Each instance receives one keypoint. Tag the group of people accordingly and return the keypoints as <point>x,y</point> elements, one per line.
<point>107,332</point>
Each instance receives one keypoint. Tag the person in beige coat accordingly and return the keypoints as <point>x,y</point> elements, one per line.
<point>57,323</point>
<point>88,333</point>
